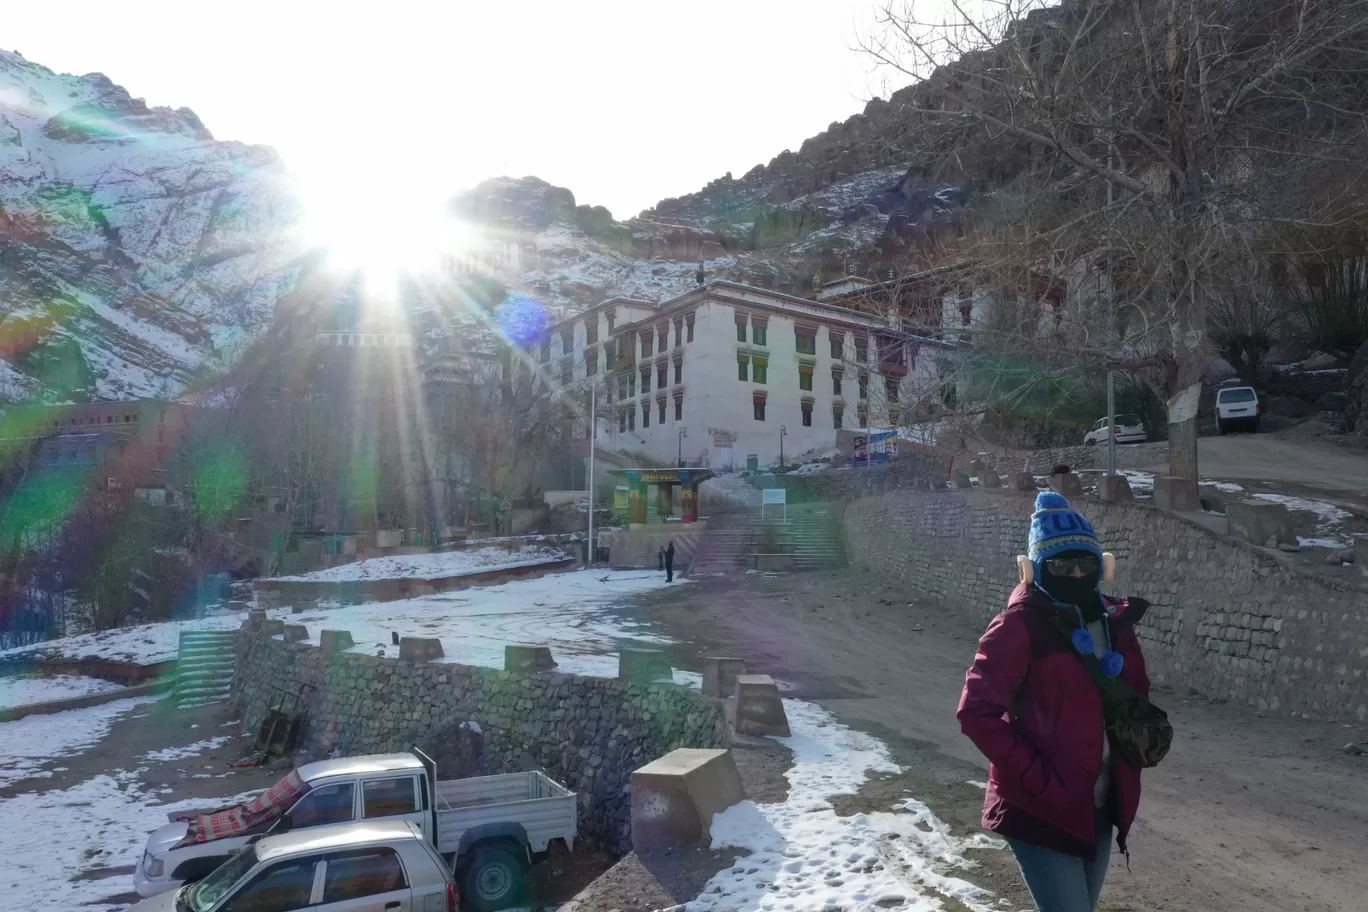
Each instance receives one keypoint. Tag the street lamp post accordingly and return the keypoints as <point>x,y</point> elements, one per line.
<point>679,460</point>
<point>783,432</point>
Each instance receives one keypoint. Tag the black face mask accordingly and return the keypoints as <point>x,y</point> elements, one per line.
<point>1075,590</point>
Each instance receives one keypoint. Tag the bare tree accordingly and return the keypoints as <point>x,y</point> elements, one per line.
<point>1132,147</point>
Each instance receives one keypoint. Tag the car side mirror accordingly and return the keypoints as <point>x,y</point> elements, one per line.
<point>283,825</point>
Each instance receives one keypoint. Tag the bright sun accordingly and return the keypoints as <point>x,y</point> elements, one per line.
<point>380,228</point>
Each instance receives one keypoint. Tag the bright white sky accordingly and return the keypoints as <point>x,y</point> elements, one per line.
<point>623,101</point>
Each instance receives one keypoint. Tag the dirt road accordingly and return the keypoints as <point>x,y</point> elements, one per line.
<point>1270,457</point>
<point>1247,813</point>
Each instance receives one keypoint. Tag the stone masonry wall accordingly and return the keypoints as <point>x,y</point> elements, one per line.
<point>1227,620</point>
<point>587,733</point>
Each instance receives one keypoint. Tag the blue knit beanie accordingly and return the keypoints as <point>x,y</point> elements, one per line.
<point>1056,527</point>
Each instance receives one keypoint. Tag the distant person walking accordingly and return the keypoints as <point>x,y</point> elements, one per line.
<point>1057,700</point>
<point>669,561</point>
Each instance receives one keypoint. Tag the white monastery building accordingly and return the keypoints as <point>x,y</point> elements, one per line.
<point>724,371</point>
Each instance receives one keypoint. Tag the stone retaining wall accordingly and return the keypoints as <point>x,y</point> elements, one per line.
<point>588,733</point>
<point>1226,619</point>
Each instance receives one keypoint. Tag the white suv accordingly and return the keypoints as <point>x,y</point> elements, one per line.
<point>1129,429</point>
<point>1237,406</point>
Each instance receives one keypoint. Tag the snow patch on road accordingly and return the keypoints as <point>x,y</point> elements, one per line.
<point>805,858</point>
<point>21,691</point>
<point>28,742</point>
<point>189,750</point>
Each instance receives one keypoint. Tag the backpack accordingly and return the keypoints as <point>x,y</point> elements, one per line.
<point>1139,732</point>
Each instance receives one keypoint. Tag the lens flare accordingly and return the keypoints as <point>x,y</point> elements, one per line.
<point>523,320</point>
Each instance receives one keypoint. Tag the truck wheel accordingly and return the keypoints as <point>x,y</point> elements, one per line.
<point>495,878</point>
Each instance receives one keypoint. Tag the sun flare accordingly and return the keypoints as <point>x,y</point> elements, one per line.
<point>380,230</point>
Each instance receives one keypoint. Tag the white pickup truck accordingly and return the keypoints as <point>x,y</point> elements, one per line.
<point>487,828</point>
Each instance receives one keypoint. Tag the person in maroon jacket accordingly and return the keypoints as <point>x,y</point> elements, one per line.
<point>1055,791</point>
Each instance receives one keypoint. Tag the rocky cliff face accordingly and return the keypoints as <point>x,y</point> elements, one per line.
<point>135,250</point>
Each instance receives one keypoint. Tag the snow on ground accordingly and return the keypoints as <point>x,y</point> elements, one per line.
<point>434,566</point>
<point>804,857</point>
<point>21,691</point>
<point>809,468</point>
<point>1327,513</point>
<point>1334,544</point>
<point>189,750</point>
<point>1140,482</point>
<point>1329,517</point>
<point>570,612</point>
<point>1228,487</point>
<point>100,823</point>
<point>145,643</point>
<point>31,740</point>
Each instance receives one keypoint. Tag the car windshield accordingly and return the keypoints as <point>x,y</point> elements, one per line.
<point>1128,421</point>
<point>202,896</point>
<point>1244,394</point>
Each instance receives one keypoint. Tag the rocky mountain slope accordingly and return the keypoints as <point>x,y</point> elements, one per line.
<point>135,250</point>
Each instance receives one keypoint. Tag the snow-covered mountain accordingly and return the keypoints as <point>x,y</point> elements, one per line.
<point>137,252</point>
<point>135,249</point>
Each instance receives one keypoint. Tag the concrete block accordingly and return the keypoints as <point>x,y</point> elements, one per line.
<point>331,641</point>
<point>1113,488</point>
<point>759,710</point>
<point>1068,484</point>
<point>1180,494</point>
<point>719,676</point>
<point>644,665</point>
<point>961,480</point>
<point>295,633</point>
<point>271,628</point>
<point>236,605</point>
<point>675,798</point>
<point>530,659</point>
<point>256,619</point>
<point>420,649</point>
<point>1361,553</point>
<point>1023,481</point>
<point>1261,523</point>
<point>989,478</point>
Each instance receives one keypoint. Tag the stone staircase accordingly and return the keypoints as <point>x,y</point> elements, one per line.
<point>727,541</point>
<point>204,667</point>
<point>814,537</point>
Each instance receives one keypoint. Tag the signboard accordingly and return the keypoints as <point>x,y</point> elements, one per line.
<point>774,496</point>
<point>878,447</point>
<point>658,476</point>
<point>721,438</point>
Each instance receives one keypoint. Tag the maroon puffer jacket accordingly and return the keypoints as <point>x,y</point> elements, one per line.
<point>1031,706</point>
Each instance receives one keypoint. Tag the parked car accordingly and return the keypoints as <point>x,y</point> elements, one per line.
<point>361,866</point>
<point>1129,429</point>
<point>486,827</point>
<point>1236,407</point>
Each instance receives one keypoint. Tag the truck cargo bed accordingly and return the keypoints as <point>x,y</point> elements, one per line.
<point>543,808</point>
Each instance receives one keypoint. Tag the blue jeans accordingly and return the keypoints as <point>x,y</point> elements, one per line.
<point>1064,883</point>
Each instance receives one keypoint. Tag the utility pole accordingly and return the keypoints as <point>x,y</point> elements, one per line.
<point>1111,374</point>
<point>593,438</point>
<point>679,455</point>
<point>783,432</point>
